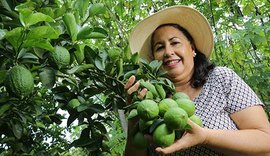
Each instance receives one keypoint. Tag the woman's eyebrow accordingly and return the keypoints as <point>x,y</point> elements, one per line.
<point>159,42</point>
<point>173,38</point>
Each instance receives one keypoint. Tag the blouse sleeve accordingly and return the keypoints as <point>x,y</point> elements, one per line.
<point>240,95</point>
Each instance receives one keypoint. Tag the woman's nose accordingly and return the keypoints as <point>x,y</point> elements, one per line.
<point>168,51</point>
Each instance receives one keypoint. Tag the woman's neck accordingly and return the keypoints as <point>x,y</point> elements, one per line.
<point>188,89</point>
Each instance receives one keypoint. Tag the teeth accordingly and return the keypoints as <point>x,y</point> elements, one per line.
<point>172,62</point>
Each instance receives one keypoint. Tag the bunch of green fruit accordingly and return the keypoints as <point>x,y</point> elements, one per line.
<point>163,114</point>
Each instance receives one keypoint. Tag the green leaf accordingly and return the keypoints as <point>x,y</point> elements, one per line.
<point>2,33</point>
<point>71,25</point>
<point>60,89</point>
<point>79,53</point>
<point>29,56</point>
<point>97,108</point>
<point>132,114</point>
<point>161,73</point>
<point>47,77</point>
<point>114,53</point>
<point>29,5</point>
<point>81,6</point>
<point>100,127</point>
<point>89,54</point>
<point>135,58</point>
<point>17,129</point>
<point>4,108</point>
<point>128,74</point>
<point>29,18</point>
<point>43,32</point>
<point>3,74</point>
<point>92,33</point>
<point>97,9</point>
<point>15,37</point>
<point>98,33</point>
<point>99,64</point>
<point>73,115</point>
<point>40,52</point>
<point>56,118</point>
<point>84,139</point>
<point>38,43</point>
<point>40,125</point>
<point>84,32</point>
<point>74,103</point>
<point>80,68</point>
<point>155,65</point>
<point>82,108</point>
<point>93,91</point>
<point>119,65</point>
<point>127,54</point>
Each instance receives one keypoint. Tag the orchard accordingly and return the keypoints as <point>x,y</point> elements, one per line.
<point>64,64</point>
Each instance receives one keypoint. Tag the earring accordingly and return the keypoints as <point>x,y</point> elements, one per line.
<point>194,54</point>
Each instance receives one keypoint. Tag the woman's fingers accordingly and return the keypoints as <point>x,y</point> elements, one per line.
<point>130,82</point>
<point>173,148</point>
<point>133,88</point>
<point>178,145</point>
<point>142,93</point>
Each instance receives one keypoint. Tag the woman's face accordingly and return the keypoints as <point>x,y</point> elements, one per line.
<point>172,47</point>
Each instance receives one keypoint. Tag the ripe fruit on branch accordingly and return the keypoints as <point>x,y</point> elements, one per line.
<point>19,81</point>
<point>60,57</point>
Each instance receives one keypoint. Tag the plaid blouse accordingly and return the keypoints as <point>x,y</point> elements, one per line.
<point>223,93</point>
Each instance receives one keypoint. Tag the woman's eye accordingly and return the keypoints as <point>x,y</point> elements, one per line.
<point>159,48</point>
<point>174,43</point>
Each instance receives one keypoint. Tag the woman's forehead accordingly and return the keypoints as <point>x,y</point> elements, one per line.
<point>167,32</point>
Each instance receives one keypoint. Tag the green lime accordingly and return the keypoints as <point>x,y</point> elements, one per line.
<point>139,141</point>
<point>176,118</point>
<point>148,109</point>
<point>196,119</point>
<point>165,104</point>
<point>187,105</point>
<point>163,136</point>
<point>74,103</point>
<point>144,125</point>
<point>180,95</point>
<point>60,57</point>
<point>19,81</point>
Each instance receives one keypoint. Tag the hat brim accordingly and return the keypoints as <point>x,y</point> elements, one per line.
<point>190,19</point>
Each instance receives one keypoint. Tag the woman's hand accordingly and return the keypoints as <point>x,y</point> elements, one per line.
<point>197,135</point>
<point>132,87</point>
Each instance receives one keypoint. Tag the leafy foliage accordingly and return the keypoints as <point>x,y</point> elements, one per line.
<point>95,33</point>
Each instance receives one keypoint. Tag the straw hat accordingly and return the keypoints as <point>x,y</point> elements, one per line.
<point>190,19</point>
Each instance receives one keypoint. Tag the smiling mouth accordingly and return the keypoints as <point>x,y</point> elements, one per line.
<point>172,62</point>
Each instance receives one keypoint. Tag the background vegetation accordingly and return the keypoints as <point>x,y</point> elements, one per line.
<point>44,123</point>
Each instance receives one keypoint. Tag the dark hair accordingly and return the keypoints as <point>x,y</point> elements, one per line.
<point>202,66</point>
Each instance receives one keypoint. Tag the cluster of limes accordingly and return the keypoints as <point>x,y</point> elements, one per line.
<point>164,118</point>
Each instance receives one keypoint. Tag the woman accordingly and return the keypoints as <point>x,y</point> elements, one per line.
<point>234,119</point>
